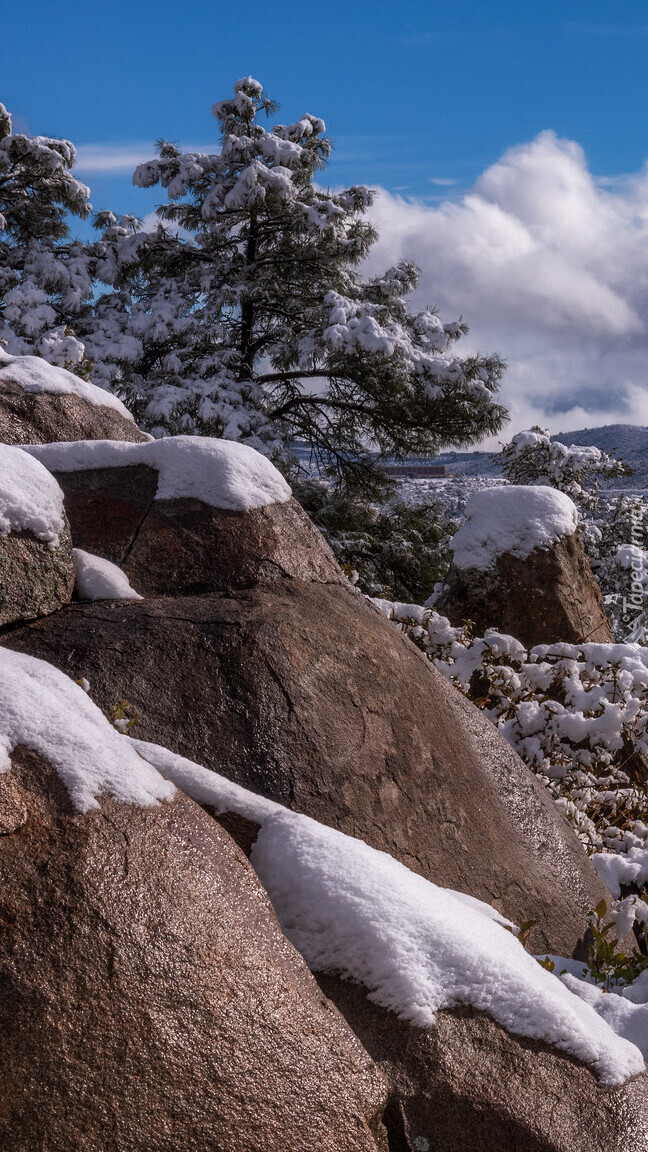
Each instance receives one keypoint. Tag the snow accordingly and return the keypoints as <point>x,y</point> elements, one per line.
<point>417,948</point>
<point>221,473</point>
<point>30,498</point>
<point>617,869</point>
<point>627,1019</point>
<point>33,374</point>
<point>99,579</point>
<point>512,519</point>
<point>46,711</point>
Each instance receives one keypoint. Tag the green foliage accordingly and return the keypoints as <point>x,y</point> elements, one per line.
<point>389,548</point>
<point>548,964</point>
<point>607,963</point>
<point>123,716</point>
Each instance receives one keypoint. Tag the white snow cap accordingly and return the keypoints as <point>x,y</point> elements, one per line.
<point>222,473</point>
<point>30,498</point>
<point>43,709</point>
<point>99,579</point>
<point>415,947</point>
<point>512,518</point>
<point>33,374</point>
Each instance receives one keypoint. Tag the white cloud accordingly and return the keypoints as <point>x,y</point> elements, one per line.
<point>111,157</point>
<point>122,157</point>
<point>549,267</point>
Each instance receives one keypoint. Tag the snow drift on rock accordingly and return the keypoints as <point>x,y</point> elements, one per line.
<point>512,519</point>
<point>417,948</point>
<point>33,374</point>
<point>43,709</point>
<point>30,498</point>
<point>99,579</point>
<point>221,473</point>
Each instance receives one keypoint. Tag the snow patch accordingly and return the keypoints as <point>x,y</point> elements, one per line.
<point>30,498</point>
<point>616,869</point>
<point>415,947</point>
<point>512,519</point>
<point>33,374</point>
<point>99,579</point>
<point>43,709</point>
<point>221,473</point>
<point>627,1019</point>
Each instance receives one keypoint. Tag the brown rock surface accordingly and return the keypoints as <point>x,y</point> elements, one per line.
<point>148,999</point>
<point>547,597</point>
<point>466,1085</point>
<point>47,417</point>
<point>304,693</point>
<point>34,578</point>
<point>183,546</point>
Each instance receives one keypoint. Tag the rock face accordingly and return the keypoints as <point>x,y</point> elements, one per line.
<point>34,578</point>
<point>149,1000</point>
<point>466,1084</point>
<point>183,546</point>
<point>546,597</point>
<point>45,417</point>
<point>520,566</point>
<point>302,692</point>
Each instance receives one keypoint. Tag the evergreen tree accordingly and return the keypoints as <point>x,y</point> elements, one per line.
<point>244,314</point>
<point>532,457</point>
<point>45,280</point>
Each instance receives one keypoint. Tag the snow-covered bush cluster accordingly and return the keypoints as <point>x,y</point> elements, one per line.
<point>532,457</point>
<point>576,714</point>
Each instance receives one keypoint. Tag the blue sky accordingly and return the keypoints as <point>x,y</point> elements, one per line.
<point>509,139</point>
<point>412,92</point>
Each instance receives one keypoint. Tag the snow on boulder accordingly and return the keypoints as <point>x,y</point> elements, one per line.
<point>40,402</point>
<point>98,579</point>
<point>186,514</point>
<point>220,473</point>
<point>471,1031</point>
<point>519,566</point>
<point>513,520</point>
<point>36,570</point>
<point>301,691</point>
<point>149,997</point>
<point>43,709</point>
<point>418,948</point>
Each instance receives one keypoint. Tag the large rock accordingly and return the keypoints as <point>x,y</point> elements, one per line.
<point>34,578</point>
<point>149,1001</point>
<point>40,403</point>
<point>304,693</point>
<point>183,546</point>
<point>36,563</point>
<point>187,515</point>
<point>540,593</point>
<point>466,1084</point>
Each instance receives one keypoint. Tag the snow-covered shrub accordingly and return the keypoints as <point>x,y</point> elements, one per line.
<point>576,714</point>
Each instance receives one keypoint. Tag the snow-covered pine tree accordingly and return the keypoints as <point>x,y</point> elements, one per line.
<point>45,279</point>
<point>245,315</point>
<point>532,457</point>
